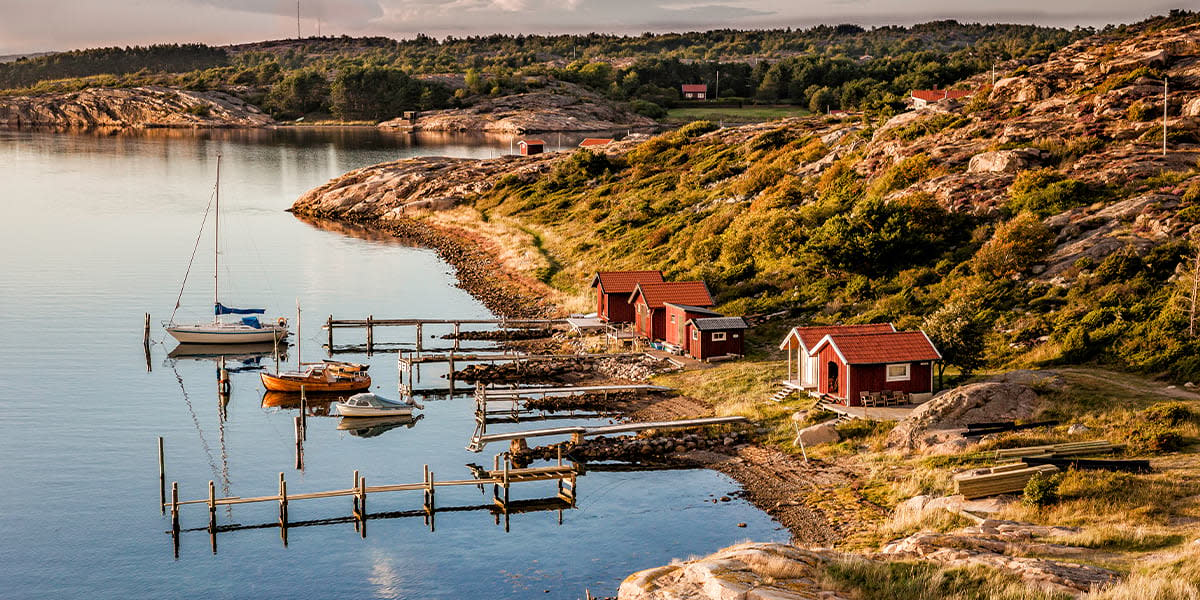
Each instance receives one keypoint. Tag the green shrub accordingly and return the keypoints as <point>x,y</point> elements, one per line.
<point>697,128</point>
<point>1042,490</point>
<point>1046,192</point>
<point>1140,111</point>
<point>1168,413</point>
<point>902,174</point>
<point>1155,439</point>
<point>1015,247</point>
<point>648,109</point>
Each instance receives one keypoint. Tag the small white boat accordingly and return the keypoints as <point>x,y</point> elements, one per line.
<point>367,404</point>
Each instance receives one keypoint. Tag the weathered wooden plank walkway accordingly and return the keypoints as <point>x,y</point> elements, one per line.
<point>495,405</point>
<point>578,432</point>
<point>500,477</point>
<point>370,323</point>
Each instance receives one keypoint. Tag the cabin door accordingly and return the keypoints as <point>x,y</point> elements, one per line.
<point>833,377</point>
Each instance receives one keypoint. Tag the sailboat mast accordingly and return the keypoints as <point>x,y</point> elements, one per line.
<point>217,243</point>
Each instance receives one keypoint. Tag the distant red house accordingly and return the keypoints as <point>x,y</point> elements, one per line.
<point>595,142</point>
<point>695,91</point>
<point>649,304</point>
<point>675,334</point>
<point>803,341</point>
<point>850,363</point>
<point>921,98</point>
<point>613,289</point>
<point>531,147</point>
<point>713,337</point>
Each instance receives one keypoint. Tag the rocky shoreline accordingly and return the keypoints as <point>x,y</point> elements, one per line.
<point>139,107</point>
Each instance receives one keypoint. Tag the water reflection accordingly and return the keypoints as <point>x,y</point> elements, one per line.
<point>367,427</point>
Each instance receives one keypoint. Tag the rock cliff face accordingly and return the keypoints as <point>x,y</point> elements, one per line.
<point>564,107</point>
<point>143,107</point>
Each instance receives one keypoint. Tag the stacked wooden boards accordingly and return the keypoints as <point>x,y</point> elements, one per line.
<point>1002,479</point>
<point>1060,450</point>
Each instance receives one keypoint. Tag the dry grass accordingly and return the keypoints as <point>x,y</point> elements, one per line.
<point>1120,537</point>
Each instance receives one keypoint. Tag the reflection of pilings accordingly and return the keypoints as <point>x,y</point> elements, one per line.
<point>146,342</point>
<point>299,443</point>
<point>162,478</point>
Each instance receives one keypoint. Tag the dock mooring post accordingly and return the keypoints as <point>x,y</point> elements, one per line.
<point>362,506</point>
<point>299,443</point>
<point>175,507</point>
<point>420,339</point>
<point>456,332</point>
<point>283,509</point>
<point>212,515</point>
<point>355,498</point>
<point>329,328</point>
<point>146,342</point>
<point>162,479</point>
<point>370,334</point>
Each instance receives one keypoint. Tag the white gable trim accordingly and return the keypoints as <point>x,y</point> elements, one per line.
<point>935,350</point>
<point>828,339</point>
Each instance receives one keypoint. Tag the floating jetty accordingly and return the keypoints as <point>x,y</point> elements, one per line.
<point>496,405</point>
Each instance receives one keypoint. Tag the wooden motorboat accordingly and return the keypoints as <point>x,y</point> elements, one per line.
<point>326,376</point>
<point>370,405</point>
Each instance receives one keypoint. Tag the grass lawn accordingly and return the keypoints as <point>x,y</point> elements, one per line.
<point>747,114</point>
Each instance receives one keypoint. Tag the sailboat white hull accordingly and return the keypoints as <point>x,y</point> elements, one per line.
<point>226,333</point>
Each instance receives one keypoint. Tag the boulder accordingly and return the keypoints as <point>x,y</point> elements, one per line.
<point>748,571</point>
<point>972,403</point>
<point>1005,161</point>
<point>1191,108</point>
<point>821,433</point>
<point>139,107</point>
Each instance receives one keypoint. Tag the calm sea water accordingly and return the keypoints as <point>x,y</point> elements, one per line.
<point>97,230</point>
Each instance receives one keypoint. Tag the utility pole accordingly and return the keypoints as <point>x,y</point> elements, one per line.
<point>297,19</point>
<point>1164,115</point>
<point>717,93</point>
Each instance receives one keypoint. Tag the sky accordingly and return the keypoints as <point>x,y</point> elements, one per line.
<point>47,25</point>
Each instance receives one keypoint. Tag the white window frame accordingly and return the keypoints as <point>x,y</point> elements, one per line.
<point>696,334</point>
<point>905,377</point>
<point>672,319</point>
<point>718,339</point>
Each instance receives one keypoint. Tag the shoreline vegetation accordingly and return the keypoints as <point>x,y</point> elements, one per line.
<point>1019,249</point>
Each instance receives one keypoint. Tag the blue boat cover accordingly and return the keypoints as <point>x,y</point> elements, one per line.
<point>252,321</point>
<point>221,309</point>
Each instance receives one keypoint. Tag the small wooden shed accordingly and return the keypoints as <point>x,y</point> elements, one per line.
<point>649,304</point>
<point>849,364</point>
<point>612,293</point>
<point>531,147</point>
<point>716,337</point>
<point>675,336</point>
<point>800,345</point>
<point>695,91</point>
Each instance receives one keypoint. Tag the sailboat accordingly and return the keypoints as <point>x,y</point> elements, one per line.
<point>325,376</point>
<point>247,330</point>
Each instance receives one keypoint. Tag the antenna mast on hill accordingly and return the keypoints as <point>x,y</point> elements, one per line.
<point>297,19</point>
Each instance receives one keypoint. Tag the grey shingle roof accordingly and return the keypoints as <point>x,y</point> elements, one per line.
<point>714,323</point>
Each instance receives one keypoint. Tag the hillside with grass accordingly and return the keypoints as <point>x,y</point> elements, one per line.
<point>1035,223</point>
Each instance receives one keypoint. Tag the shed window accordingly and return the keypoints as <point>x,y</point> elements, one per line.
<point>898,372</point>
<point>695,334</point>
<point>718,336</point>
<point>672,319</point>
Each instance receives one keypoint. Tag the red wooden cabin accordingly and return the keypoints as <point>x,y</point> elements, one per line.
<point>803,342</point>
<point>649,304</point>
<point>612,293</point>
<point>713,337</point>
<point>849,363</point>
<point>677,317</point>
<point>531,147</point>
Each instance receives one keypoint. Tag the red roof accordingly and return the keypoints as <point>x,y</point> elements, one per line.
<point>588,142</point>
<point>935,95</point>
<point>878,348</point>
<point>691,293</point>
<point>623,282</point>
<point>695,87</point>
<point>811,336</point>
<point>533,142</point>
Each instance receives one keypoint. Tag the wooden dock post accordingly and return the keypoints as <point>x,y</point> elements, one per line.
<point>362,506</point>
<point>354,512</point>
<point>162,479</point>
<point>303,414</point>
<point>146,342</point>
<point>370,334</point>
<point>283,509</point>
<point>456,332</point>
<point>420,339</point>
<point>299,443</point>
<point>175,507</point>
<point>329,328</point>
<point>212,515</point>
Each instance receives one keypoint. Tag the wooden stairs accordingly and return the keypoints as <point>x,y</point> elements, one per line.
<point>783,392</point>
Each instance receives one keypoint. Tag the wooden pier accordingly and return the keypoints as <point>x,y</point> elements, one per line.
<point>578,432</point>
<point>496,405</point>
<point>407,360</point>
<point>370,323</point>
<point>501,477</point>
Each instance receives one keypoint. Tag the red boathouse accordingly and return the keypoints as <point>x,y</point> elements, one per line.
<point>675,335</point>
<point>850,364</point>
<point>716,337</point>
<point>649,304</point>
<point>612,293</point>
